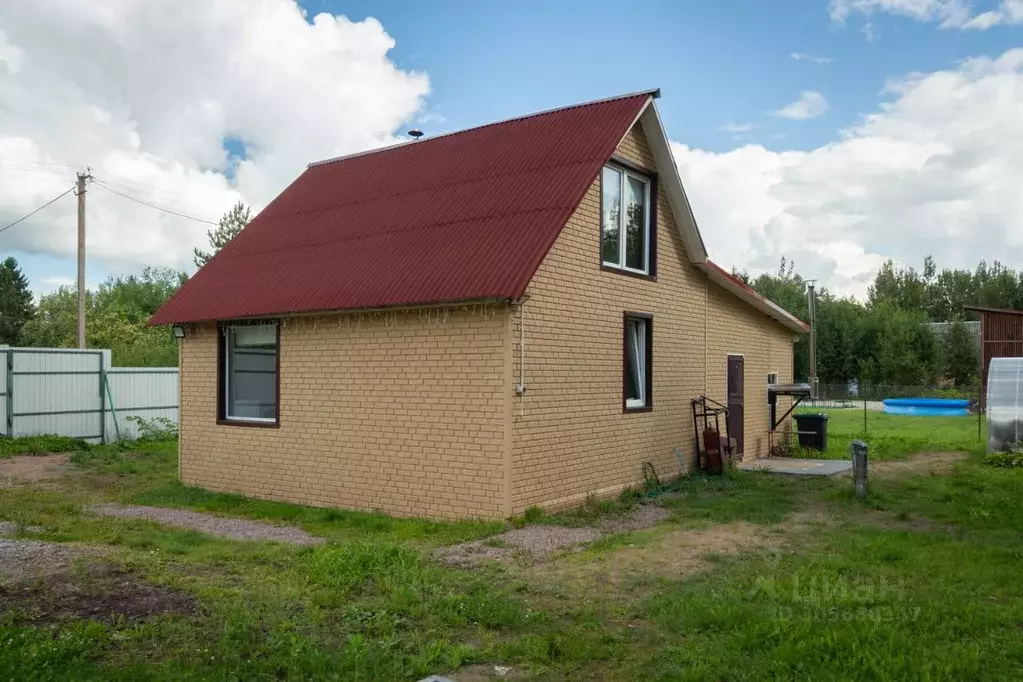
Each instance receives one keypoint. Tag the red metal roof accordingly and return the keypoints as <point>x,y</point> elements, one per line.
<point>464,216</point>
<point>753,297</point>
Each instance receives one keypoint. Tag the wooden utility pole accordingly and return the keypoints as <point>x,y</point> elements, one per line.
<point>82,177</point>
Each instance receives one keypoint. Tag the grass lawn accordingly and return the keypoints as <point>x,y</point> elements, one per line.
<point>896,436</point>
<point>919,582</point>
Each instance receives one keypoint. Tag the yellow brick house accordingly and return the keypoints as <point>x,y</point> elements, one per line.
<point>470,324</point>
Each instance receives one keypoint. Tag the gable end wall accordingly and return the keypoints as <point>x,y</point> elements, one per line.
<point>571,438</point>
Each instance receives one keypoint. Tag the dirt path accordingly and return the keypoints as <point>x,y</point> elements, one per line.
<point>922,464</point>
<point>236,529</point>
<point>27,469</point>
<point>97,592</point>
<point>538,543</point>
<point>23,559</point>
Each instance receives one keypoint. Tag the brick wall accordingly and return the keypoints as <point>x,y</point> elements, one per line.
<point>570,436</point>
<point>414,412</point>
<point>734,328</point>
<point>402,412</point>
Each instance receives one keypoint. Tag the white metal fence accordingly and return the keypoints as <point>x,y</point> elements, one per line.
<point>77,393</point>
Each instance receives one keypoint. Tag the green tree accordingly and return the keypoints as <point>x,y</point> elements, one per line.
<point>898,347</point>
<point>840,326</point>
<point>117,315</point>
<point>789,290</point>
<point>961,357</point>
<point>231,223</point>
<point>16,304</point>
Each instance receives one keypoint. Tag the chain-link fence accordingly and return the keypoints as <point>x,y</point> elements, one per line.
<point>867,408</point>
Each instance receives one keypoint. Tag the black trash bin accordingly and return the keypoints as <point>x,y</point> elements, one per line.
<point>813,431</point>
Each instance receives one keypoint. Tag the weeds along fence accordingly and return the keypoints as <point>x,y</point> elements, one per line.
<point>869,399</point>
<point>71,392</point>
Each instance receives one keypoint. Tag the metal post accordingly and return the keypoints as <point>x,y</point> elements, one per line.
<point>864,414</point>
<point>979,412</point>
<point>858,450</point>
<point>10,392</point>
<point>102,400</point>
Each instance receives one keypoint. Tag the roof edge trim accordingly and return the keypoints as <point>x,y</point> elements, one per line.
<point>660,147</point>
<point>425,305</point>
<point>654,93</point>
<point>734,285</point>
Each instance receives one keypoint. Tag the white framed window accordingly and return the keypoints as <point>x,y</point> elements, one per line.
<point>638,362</point>
<point>249,387</point>
<point>625,220</point>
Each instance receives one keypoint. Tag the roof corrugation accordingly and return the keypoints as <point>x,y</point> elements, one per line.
<point>465,216</point>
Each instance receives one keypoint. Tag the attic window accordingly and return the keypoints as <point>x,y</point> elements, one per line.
<point>625,220</point>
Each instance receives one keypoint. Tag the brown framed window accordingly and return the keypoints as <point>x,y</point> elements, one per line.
<point>248,368</point>
<point>638,363</point>
<point>628,239</point>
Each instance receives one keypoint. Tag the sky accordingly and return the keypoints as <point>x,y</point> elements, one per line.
<point>835,133</point>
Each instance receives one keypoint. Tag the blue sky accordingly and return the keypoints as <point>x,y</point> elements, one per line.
<point>716,62</point>
<point>863,175</point>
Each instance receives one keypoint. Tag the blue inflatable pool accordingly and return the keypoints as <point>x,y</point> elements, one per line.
<point>927,407</point>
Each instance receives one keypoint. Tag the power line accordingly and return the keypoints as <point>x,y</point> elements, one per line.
<point>156,193</point>
<point>67,191</point>
<point>35,162</point>
<point>158,208</point>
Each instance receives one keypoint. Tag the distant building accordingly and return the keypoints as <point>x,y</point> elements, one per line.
<point>1001,336</point>
<point>941,329</point>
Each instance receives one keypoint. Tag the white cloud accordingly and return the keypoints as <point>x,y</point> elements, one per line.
<point>947,13</point>
<point>146,91</point>
<point>810,104</point>
<point>812,58</point>
<point>732,127</point>
<point>1010,12</point>
<point>936,169</point>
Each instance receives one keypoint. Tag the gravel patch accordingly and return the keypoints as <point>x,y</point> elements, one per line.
<point>643,516</point>
<point>538,543</point>
<point>542,541</point>
<point>533,543</point>
<point>21,559</point>
<point>236,529</point>
<point>9,528</point>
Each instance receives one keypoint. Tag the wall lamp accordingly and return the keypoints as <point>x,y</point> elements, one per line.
<point>179,331</point>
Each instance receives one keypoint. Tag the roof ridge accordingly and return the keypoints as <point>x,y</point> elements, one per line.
<point>654,92</point>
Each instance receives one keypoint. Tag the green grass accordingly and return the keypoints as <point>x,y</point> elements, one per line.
<point>40,445</point>
<point>863,599</point>
<point>892,436</point>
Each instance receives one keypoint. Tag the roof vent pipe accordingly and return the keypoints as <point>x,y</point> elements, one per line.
<point>415,133</point>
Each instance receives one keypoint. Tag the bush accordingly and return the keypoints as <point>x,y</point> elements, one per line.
<point>155,429</point>
<point>1005,460</point>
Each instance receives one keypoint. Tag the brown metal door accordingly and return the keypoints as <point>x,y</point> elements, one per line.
<point>736,386</point>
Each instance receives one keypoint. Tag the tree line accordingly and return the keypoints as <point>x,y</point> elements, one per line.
<point>117,312</point>
<point>887,339</point>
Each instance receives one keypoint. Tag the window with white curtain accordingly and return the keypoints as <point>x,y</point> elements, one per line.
<point>249,373</point>
<point>625,220</point>
<point>638,361</point>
